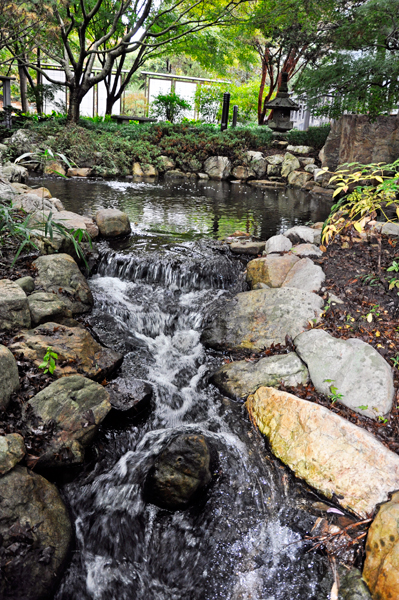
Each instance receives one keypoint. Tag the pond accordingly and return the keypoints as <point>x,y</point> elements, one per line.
<point>154,292</point>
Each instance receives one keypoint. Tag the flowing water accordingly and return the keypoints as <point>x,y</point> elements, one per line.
<point>153,295</point>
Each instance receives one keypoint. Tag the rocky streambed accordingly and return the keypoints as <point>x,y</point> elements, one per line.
<point>167,490</point>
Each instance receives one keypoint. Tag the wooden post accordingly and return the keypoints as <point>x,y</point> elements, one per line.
<point>7,98</point>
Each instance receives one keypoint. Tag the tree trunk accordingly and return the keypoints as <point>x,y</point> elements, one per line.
<point>109,104</point>
<point>74,107</point>
<point>23,88</point>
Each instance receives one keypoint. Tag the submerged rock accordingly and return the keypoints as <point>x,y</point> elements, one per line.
<point>14,308</point>
<point>73,408</point>
<point>12,451</point>
<point>35,535</point>
<point>112,222</point>
<point>353,367</point>
<point>180,472</point>
<point>329,453</point>
<point>352,586</point>
<point>256,320</point>
<point>9,379</point>
<point>241,378</point>
<point>381,567</point>
<point>60,274</point>
<point>78,352</point>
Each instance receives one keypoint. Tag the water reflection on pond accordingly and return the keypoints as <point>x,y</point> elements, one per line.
<point>190,210</point>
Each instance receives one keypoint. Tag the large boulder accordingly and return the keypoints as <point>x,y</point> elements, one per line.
<point>217,167</point>
<point>381,567</point>
<point>271,269</point>
<point>256,320</point>
<point>331,454</point>
<point>257,163</point>
<point>112,222</point>
<point>275,159</point>
<point>79,172</point>
<point>180,472</point>
<point>243,172</point>
<point>305,275</point>
<point>357,138</point>
<point>35,534</point>
<point>9,380</point>
<point>45,307</point>
<point>27,284</point>
<point>354,368</point>
<point>78,352</point>
<point>290,164</point>
<point>59,274</point>
<point>23,141</point>
<point>12,451</point>
<point>73,408</point>
<point>241,378</point>
<point>14,308</point>
<point>165,163</point>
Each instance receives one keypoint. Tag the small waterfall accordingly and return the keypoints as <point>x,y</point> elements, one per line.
<point>241,541</point>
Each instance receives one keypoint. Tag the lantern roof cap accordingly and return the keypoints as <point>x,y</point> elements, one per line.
<point>282,99</point>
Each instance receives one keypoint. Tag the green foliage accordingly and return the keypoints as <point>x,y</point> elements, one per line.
<point>367,189</point>
<point>14,227</point>
<point>209,100</point>
<point>169,106</point>
<point>314,136</point>
<point>111,149</point>
<point>360,74</point>
<point>49,359</point>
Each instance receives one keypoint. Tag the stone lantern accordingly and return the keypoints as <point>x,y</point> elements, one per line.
<point>282,106</point>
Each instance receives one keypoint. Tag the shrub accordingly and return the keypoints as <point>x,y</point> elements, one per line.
<point>169,106</point>
<point>314,136</point>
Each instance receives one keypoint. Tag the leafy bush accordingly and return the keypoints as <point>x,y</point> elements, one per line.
<point>314,136</point>
<point>209,99</point>
<point>169,106</point>
<point>111,149</point>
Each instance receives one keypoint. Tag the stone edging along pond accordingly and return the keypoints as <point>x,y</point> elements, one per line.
<point>337,458</point>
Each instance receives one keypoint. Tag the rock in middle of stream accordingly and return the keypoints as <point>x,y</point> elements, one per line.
<point>180,472</point>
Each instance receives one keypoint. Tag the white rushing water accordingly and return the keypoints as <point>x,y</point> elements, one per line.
<point>241,541</point>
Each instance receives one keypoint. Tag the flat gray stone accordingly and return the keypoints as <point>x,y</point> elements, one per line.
<point>247,247</point>
<point>27,284</point>
<point>390,229</point>
<point>74,406</point>
<point>354,368</point>
<point>306,250</point>
<point>12,451</point>
<point>256,320</point>
<point>300,149</point>
<point>14,309</point>
<point>306,161</point>
<point>299,179</point>
<point>301,233</point>
<point>277,243</point>
<point>31,203</point>
<point>240,379</point>
<point>305,275</point>
<point>9,379</point>
<point>311,168</point>
<point>45,307</point>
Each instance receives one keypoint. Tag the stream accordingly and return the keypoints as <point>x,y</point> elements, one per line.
<point>153,294</point>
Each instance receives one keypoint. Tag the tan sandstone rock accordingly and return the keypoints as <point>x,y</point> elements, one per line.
<point>381,568</point>
<point>271,269</point>
<point>329,453</point>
